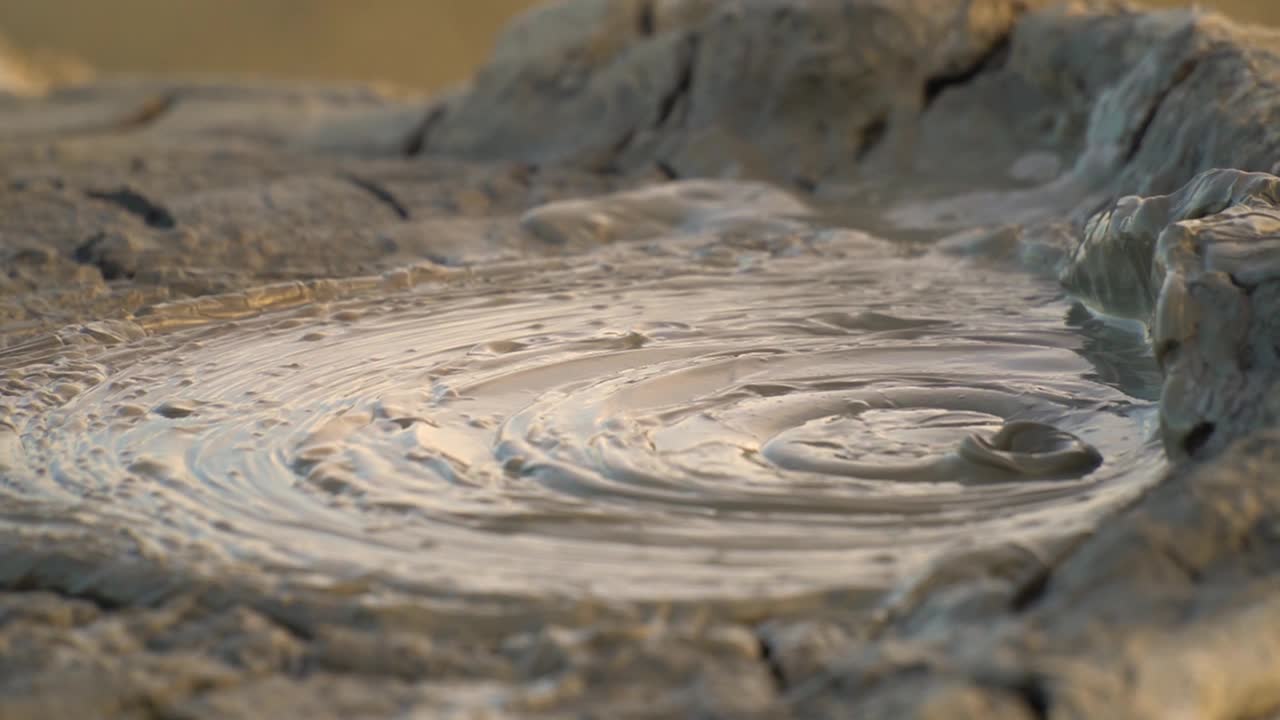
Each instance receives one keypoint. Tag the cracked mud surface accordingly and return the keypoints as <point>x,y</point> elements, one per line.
<point>178,539</point>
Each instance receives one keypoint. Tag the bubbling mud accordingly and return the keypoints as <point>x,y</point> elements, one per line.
<point>737,407</point>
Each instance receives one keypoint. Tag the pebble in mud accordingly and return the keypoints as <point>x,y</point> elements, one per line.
<point>1034,449</point>
<point>175,409</point>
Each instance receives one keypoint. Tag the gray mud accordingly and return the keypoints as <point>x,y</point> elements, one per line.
<point>697,359</point>
<point>743,406</point>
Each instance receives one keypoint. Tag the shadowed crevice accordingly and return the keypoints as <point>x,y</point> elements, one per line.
<point>1034,695</point>
<point>772,663</point>
<point>90,252</point>
<point>31,582</point>
<point>870,137</point>
<point>1179,76</point>
<point>667,169</point>
<point>1031,592</point>
<point>1197,438</point>
<point>1184,566</point>
<point>379,193</point>
<point>147,113</point>
<point>135,203</point>
<point>684,81</point>
<point>101,602</point>
<point>992,59</point>
<point>646,23</point>
<point>609,164</point>
<point>416,142</point>
<point>1028,688</point>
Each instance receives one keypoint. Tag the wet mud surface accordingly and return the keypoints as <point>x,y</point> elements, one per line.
<point>710,393</point>
<point>704,417</point>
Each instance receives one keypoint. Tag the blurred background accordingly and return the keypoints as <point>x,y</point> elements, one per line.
<point>417,44</point>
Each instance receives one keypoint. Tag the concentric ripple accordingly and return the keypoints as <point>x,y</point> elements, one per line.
<point>693,418</point>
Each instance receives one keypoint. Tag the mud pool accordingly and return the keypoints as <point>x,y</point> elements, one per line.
<point>733,402</point>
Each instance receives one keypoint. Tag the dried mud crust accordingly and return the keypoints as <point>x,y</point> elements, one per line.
<point>126,193</point>
<point>1199,268</point>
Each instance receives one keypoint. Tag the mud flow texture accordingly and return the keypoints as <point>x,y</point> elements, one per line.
<point>743,359</point>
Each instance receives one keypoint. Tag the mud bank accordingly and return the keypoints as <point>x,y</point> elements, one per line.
<point>698,358</point>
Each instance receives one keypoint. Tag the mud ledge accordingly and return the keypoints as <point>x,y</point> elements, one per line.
<point>130,193</point>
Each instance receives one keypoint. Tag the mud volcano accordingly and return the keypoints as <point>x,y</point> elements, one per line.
<point>779,358</point>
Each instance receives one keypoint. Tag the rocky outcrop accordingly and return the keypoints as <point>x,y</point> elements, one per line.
<point>1198,267</point>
